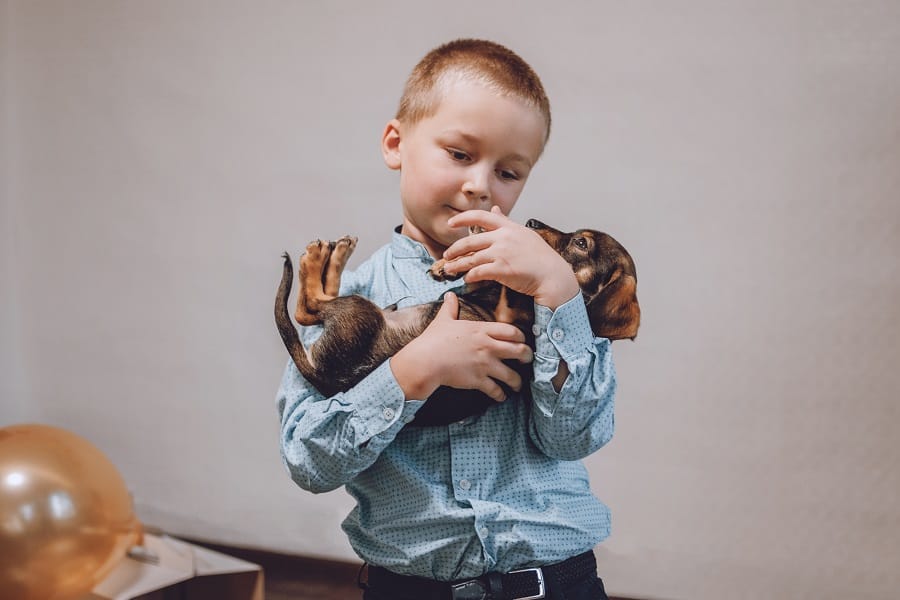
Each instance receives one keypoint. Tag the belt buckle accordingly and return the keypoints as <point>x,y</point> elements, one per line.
<point>540,578</point>
<point>469,590</point>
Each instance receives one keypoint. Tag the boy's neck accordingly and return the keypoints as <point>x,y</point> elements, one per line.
<point>434,248</point>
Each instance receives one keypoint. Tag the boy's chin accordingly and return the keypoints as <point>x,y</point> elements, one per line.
<point>436,239</point>
<point>454,235</point>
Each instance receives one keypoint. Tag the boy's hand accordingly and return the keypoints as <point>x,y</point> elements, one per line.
<point>510,254</point>
<point>460,354</point>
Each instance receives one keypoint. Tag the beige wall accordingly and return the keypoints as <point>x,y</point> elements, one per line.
<point>161,155</point>
<point>12,392</point>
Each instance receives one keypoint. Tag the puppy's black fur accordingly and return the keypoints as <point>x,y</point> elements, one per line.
<point>358,336</point>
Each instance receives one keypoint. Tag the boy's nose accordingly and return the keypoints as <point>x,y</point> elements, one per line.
<point>481,196</point>
<point>476,188</point>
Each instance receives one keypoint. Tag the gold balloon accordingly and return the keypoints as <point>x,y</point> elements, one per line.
<point>66,517</point>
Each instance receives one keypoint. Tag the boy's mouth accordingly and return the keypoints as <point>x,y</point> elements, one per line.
<point>462,210</point>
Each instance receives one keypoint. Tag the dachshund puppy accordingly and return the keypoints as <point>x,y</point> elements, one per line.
<point>358,336</point>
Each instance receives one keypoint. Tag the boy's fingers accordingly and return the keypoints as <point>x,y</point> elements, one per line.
<point>482,218</point>
<point>481,273</point>
<point>450,308</point>
<point>468,245</point>
<point>465,262</point>
<point>504,332</point>
<point>515,351</point>
<point>522,353</point>
<point>492,390</point>
<point>508,376</point>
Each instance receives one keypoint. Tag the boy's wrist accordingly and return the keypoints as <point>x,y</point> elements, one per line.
<point>411,377</point>
<point>558,291</point>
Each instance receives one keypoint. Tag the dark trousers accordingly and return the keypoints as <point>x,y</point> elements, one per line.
<point>586,587</point>
<point>589,589</point>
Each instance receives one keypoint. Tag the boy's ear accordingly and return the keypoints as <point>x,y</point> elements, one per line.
<point>390,144</point>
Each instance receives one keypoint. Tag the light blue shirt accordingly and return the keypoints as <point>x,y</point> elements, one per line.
<point>499,492</point>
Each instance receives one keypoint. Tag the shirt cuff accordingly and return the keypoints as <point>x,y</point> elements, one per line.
<point>564,332</point>
<point>379,403</point>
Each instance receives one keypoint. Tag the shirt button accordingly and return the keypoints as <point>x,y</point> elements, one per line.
<point>536,330</point>
<point>484,532</point>
<point>558,335</point>
<point>388,413</point>
<point>465,484</point>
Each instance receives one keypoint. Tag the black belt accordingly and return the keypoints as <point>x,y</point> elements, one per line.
<point>524,584</point>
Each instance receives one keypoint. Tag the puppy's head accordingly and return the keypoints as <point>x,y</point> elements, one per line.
<point>607,276</point>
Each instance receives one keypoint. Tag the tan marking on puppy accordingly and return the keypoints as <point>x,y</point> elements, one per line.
<point>503,313</point>
<point>312,293</point>
<point>343,248</point>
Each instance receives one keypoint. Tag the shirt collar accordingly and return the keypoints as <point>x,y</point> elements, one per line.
<point>405,247</point>
<point>412,260</point>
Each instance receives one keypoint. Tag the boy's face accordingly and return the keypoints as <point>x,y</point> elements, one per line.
<point>476,151</point>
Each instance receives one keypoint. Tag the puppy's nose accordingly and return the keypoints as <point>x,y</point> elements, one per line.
<point>534,224</point>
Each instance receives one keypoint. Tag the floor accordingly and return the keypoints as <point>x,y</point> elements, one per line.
<point>313,585</point>
<point>300,578</point>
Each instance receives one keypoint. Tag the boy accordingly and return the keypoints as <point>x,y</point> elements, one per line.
<point>455,511</point>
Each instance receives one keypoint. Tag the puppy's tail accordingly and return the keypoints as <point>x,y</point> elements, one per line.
<point>286,328</point>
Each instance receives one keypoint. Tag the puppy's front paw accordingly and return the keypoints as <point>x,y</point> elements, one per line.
<point>438,273</point>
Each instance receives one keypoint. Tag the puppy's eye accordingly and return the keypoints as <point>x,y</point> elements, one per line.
<point>580,242</point>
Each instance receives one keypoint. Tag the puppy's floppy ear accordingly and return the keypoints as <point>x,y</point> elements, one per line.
<point>614,311</point>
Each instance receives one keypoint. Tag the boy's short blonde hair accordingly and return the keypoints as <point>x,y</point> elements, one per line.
<point>497,67</point>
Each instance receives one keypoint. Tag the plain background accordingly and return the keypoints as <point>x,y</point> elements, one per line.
<point>158,157</point>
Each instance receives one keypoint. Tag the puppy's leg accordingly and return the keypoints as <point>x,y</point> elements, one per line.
<point>438,273</point>
<point>311,272</point>
<point>340,253</point>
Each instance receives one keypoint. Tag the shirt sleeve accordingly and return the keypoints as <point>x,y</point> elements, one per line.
<point>325,442</point>
<point>579,419</point>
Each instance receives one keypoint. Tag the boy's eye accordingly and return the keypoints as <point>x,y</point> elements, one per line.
<point>508,175</point>
<point>457,154</point>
